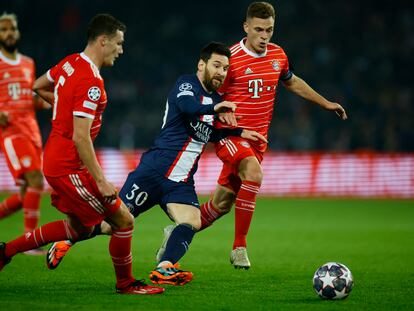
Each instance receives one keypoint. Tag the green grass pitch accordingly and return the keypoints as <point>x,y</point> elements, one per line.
<point>288,240</point>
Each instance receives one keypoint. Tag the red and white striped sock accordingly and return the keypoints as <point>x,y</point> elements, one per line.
<point>51,232</point>
<point>120,250</point>
<point>209,214</point>
<point>31,204</point>
<point>245,204</point>
<point>10,205</point>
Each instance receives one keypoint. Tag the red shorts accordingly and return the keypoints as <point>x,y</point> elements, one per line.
<point>78,195</point>
<point>231,151</point>
<point>22,156</point>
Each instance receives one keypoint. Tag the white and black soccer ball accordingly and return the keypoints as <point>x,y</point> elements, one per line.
<point>333,280</point>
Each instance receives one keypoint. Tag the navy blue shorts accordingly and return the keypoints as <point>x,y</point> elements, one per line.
<point>145,187</point>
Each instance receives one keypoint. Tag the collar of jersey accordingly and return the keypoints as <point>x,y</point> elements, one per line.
<point>85,57</point>
<point>10,61</point>
<point>250,52</point>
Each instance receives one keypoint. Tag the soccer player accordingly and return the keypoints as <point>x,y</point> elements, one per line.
<point>80,190</point>
<point>165,173</point>
<point>20,137</point>
<point>256,67</point>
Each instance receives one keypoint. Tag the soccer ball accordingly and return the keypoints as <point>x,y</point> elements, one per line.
<point>333,281</point>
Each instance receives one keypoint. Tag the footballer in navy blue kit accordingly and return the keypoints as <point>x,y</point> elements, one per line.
<point>165,174</point>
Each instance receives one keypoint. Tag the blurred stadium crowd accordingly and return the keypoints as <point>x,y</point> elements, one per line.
<point>357,53</point>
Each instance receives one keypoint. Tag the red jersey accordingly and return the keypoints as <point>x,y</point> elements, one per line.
<point>78,91</point>
<point>251,84</point>
<point>16,97</point>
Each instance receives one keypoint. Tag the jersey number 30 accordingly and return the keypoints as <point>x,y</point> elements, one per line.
<point>140,197</point>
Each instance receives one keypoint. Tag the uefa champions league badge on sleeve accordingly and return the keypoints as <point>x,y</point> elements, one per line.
<point>185,87</point>
<point>94,93</point>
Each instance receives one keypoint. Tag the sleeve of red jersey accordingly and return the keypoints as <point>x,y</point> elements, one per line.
<point>286,73</point>
<point>86,98</point>
<point>54,71</point>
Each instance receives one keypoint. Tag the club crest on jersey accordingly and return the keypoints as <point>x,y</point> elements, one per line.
<point>26,161</point>
<point>94,93</point>
<point>275,65</point>
<point>245,144</point>
<point>27,73</point>
<point>185,87</point>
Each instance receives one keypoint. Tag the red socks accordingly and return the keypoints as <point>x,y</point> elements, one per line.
<point>209,214</point>
<point>120,251</point>
<point>31,203</point>
<point>51,232</point>
<point>10,205</point>
<point>245,204</point>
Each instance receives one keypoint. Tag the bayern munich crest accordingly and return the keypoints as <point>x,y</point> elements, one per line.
<point>185,87</point>
<point>245,144</point>
<point>94,93</point>
<point>275,65</point>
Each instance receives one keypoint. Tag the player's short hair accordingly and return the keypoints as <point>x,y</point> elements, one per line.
<point>104,24</point>
<point>214,47</point>
<point>8,16</point>
<point>262,10</point>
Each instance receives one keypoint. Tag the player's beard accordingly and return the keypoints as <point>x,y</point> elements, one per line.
<point>208,82</point>
<point>10,48</point>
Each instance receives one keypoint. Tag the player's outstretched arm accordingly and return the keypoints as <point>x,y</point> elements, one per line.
<point>301,88</point>
<point>43,87</point>
<point>253,135</point>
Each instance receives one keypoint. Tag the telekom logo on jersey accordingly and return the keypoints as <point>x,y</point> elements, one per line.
<point>255,86</point>
<point>15,90</point>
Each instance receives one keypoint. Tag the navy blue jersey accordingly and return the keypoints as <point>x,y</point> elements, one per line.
<point>187,127</point>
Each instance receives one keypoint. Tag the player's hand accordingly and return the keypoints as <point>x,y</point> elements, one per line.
<point>225,107</point>
<point>4,118</point>
<point>253,135</point>
<point>338,109</point>
<point>108,190</point>
<point>228,118</point>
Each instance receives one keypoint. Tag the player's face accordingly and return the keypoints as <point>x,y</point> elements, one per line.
<point>259,32</point>
<point>9,35</point>
<point>113,48</point>
<point>215,71</point>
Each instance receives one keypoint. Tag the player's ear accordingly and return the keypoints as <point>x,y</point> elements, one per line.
<point>201,65</point>
<point>246,26</point>
<point>102,40</point>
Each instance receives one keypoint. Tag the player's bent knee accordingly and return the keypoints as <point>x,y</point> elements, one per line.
<point>250,169</point>
<point>121,219</point>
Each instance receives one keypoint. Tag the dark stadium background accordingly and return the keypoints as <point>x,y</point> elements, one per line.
<point>357,53</point>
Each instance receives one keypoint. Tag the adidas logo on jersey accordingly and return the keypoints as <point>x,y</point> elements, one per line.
<point>6,75</point>
<point>248,71</point>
